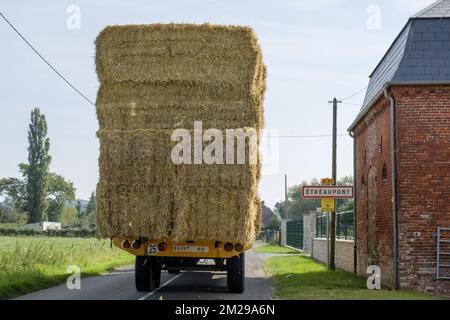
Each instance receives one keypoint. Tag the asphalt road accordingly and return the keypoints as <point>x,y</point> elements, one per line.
<point>119,285</point>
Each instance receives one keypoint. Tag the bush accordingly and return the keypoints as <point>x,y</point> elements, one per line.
<point>67,233</point>
<point>14,216</point>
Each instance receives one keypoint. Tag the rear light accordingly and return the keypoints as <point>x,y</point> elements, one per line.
<point>126,244</point>
<point>136,244</point>
<point>228,246</point>
<point>162,246</point>
<point>239,247</point>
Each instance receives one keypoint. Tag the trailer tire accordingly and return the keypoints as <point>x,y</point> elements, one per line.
<point>143,274</point>
<point>156,275</point>
<point>236,274</point>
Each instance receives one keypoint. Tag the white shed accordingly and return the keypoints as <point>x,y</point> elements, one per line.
<point>43,226</point>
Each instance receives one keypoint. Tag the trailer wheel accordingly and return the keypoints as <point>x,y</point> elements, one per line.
<point>236,273</point>
<point>143,274</point>
<point>156,275</point>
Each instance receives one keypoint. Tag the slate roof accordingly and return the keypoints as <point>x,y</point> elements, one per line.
<point>419,55</point>
<point>437,9</point>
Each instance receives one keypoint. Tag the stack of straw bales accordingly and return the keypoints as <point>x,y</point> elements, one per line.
<point>157,78</point>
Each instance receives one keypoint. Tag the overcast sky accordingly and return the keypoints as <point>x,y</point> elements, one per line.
<point>314,50</point>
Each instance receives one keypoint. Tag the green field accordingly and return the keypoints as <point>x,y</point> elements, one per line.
<point>28,264</point>
<point>273,249</point>
<point>300,277</point>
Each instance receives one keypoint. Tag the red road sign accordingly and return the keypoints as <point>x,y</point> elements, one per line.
<point>336,192</point>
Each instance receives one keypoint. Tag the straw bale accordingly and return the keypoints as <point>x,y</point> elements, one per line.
<point>129,107</point>
<point>154,79</point>
<point>179,212</point>
<point>204,54</point>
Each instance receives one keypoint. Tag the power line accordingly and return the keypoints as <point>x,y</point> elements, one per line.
<point>354,94</point>
<point>45,60</point>
<point>352,104</point>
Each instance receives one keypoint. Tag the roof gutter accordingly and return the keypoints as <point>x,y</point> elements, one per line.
<point>362,114</point>
<point>393,108</point>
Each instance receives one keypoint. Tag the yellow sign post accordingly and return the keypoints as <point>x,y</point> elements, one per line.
<point>327,181</point>
<point>327,204</point>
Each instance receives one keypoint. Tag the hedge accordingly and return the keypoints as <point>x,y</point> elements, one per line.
<point>68,233</point>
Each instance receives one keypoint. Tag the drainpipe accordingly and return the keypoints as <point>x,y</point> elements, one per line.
<point>393,108</point>
<point>355,226</point>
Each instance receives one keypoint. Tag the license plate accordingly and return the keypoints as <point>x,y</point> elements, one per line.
<point>195,249</point>
<point>152,249</point>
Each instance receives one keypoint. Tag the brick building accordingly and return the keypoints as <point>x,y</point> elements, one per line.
<point>402,157</point>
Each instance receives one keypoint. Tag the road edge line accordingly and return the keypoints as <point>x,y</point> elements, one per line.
<point>160,287</point>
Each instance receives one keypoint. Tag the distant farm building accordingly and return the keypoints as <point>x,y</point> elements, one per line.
<point>43,226</point>
<point>267,214</point>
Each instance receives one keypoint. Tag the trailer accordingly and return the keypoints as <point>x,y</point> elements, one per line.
<point>153,256</point>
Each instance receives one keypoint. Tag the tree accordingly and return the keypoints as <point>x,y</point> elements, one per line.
<point>280,209</point>
<point>296,205</point>
<point>274,223</point>
<point>2,213</point>
<point>90,208</point>
<point>70,217</point>
<point>79,207</point>
<point>59,192</point>
<point>15,190</point>
<point>36,173</point>
<point>345,204</point>
<point>345,181</point>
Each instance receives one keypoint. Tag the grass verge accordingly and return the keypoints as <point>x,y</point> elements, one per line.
<point>273,249</point>
<point>301,278</point>
<point>28,264</point>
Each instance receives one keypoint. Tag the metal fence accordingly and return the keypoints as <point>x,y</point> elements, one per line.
<point>344,225</point>
<point>294,233</point>
<point>321,225</point>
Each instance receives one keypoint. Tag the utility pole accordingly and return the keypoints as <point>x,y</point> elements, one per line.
<point>332,257</point>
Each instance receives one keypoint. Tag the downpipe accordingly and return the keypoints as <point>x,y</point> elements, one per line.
<point>355,216</point>
<point>393,109</point>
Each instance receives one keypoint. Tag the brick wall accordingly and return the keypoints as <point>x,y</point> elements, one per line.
<point>319,251</point>
<point>423,167</point>
<point>344,253</point>
<point>373,147</point>
<point>423,122</point>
